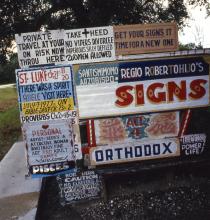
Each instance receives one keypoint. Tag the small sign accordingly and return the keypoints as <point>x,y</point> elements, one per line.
<point>145,38</point>
<point>193,144</point>
<point>134,151</point>
<point>135,127</point>
<point>79,187</point>
<point>123,88</point>
<point>89,45</point>
<point>46,93</point>
<point>40,48</point>
<point>48,143</point>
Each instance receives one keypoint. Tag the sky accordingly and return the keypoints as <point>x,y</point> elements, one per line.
<point>198,29</point>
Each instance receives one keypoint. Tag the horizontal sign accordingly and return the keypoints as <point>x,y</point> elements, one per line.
<point>79,187</point>
<point>39,48</point>
<point>142,86</point>
<point>134,151</point>
<point>89,45</point>
<point>193,144</point>
<point>49,142</point>
<point>135,127</point>
<point>145,38</point>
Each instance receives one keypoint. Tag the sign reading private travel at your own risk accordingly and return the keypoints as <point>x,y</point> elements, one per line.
<point>39,48</point>
<point>142,86</point>
<point>45,91</point>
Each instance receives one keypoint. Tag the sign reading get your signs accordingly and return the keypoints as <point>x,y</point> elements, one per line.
<point>142,86</point>
<point>145,38</point>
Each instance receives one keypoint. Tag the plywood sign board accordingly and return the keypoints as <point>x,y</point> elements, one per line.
<point>46,93</point>
<point>79,187</point>
<point>134,127</point>
<point>89,45</point>
<point>50,146</point>
<point>134,151</point>
<point>121,88</point>
<point>145,38</point>
<point>39,48</point>
<point>193,144</point>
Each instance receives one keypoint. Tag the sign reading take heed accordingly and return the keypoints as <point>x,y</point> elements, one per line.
<point>145,38</point>
<point>142,86</point>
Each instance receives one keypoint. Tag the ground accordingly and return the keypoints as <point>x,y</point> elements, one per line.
<point>10,130</point>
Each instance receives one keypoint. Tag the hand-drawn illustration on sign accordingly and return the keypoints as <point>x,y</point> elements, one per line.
<point>145,38</point>
<point>46,93</point>
<point>79,187</point>
<point>89,45</point>
<point>133,127</point>
<point>134,151</point>
<point>142,86</point>
<point>40,48</point>
<point>48,143</point>
<point>193,144</point>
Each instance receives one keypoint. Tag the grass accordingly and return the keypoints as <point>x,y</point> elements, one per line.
<point>10,128</point>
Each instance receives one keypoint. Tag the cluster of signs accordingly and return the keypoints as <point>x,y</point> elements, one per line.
<point>114,98</point>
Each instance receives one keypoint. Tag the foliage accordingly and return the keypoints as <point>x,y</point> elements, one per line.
<point>31,15</point>
<point>190,46</point>
<point>7,70</point>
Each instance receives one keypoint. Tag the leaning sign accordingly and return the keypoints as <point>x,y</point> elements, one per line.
<point>121,88</point>
<point>145,38</point>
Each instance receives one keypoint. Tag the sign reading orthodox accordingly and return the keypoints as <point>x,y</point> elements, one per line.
<point>142,86</point>
<point>134,151</point>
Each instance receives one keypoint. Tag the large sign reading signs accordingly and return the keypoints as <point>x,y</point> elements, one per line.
<point>38,48</point>
<point>89,45</point>
<point>145,38</point>
<point>46,93</point>
<point>142,86</point>
<point>50,146</point>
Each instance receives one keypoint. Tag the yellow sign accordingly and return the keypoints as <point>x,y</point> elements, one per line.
<point>145,38</point>
<point>42,107</point>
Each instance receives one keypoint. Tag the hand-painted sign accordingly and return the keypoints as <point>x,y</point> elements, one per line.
<point>142,86</point>
<point>134,151</point>
<point>89,45</point>
<point>79,187</point>
<point>39,48</point>
<point>145,38</point>
<point>134,127</point>
<point>192,144</point>
<point>48,143</point>
<point>46,93</point>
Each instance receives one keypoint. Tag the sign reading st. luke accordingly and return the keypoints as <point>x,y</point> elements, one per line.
<point>39,48</point>
<point>50,146</point>
<point>46,93</point>
<point>145,38</point>
<point>142,86</point>
<point>89,45</point>
<point>135,151</point>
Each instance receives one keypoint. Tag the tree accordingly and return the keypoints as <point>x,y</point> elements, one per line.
<point>31,15</point>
